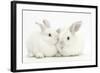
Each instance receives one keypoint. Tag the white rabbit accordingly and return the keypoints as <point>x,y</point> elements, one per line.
<point>70,43</point>
<point>42,44</point>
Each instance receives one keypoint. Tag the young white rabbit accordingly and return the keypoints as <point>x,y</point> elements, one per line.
<point>70,43</point>
<point>42,44</point>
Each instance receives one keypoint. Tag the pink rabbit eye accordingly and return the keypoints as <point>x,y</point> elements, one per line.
<point>68,38</point>
<point>49,35</point>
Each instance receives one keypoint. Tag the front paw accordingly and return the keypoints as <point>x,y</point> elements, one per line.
<point>30,55</point>
<point>58,55</point>
<point>39,55</point>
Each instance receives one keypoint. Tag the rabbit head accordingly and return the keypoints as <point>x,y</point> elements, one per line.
<point>50,35</point>
<point>67,36</point>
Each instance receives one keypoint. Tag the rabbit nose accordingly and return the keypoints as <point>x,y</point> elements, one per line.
<point>61,42</point>
<point>57,39</point>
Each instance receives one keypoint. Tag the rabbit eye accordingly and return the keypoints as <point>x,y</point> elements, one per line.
<point>49,35</point>
<point>68,38</point>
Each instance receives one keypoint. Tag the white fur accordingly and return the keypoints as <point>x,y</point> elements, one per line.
<point>40,44</point>
<point>74,45</point>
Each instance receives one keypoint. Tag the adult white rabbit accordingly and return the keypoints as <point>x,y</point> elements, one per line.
<point>70,42</point>
<point>42,44</point>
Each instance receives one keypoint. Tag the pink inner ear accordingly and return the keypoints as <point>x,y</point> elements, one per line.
<point>76,28</point>
<point>46,23</point>
<point>71,28</point>
<point>58,30</point>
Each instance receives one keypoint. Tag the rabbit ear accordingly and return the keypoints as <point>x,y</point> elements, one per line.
<point>58,30</point>
<point>75,26</point>
<point>46,23</point>
<point>41,26</point>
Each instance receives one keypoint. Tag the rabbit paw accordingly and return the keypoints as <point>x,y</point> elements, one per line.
<point>39,55</point>
<point>30,55</point>
<point>58,55</point>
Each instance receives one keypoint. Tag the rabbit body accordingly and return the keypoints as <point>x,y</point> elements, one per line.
<point>42,44</point>
<point>71,48</point>
<point>70,43</point>
<point>39,44</point>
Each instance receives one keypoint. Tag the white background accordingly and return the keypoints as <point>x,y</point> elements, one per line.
<point>57,19</point>
<point>5,35</point>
